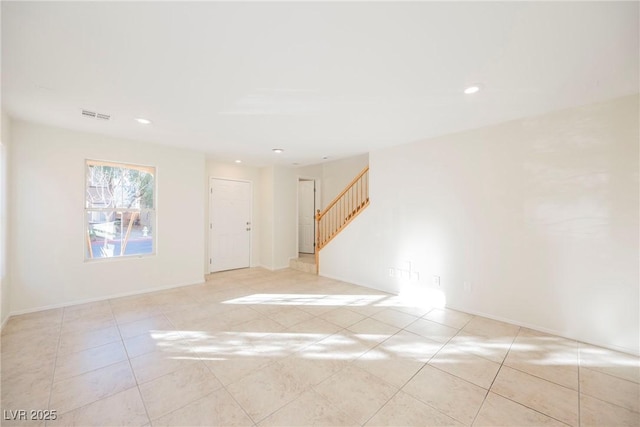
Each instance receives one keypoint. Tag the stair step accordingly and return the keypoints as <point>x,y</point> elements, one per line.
<point>305,264</point>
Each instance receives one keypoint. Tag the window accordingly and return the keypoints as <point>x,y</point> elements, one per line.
<point>119,210</point>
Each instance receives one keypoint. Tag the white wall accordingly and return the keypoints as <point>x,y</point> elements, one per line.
<point>539,215</point>
<point>313,172</point>
<point>310,171</point>
<point>285,219</point>
<point>332,177</point>
<point>278,209</point>
<point>48,239</point>
<point>284,203</point>
<point>267,212</point>
<point>244,173</point>
<point>5,283</point>
<point>336,175</point>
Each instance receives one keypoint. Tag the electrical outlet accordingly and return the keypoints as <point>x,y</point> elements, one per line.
<point>392,272</point>
<point>436,281</point>
<point>467,286</point>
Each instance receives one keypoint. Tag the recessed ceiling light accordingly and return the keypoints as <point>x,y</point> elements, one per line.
<point>472,89</point>
<point>238,161</point>
<point>143,121</point>
<point>277,150</point>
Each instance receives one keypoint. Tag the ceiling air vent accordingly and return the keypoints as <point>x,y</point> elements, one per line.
<point>94,115</point>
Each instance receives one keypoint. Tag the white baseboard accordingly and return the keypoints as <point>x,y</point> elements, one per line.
<point>273,268</point>
<point>634,352</point>
<point>341,279</point>
<point>96,299</point>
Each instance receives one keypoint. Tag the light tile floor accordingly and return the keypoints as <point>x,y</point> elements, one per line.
<point>253,347</point>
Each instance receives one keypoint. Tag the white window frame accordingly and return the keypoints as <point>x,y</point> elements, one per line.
<point>119,211</point>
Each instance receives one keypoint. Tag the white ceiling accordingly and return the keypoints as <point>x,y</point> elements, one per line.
<point>318,79</point>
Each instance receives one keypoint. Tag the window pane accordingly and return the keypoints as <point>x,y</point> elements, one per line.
<point>119,209</point>
<point>119,233</point>
<point>119,187</point>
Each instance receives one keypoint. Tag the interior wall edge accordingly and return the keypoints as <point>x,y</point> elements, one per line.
<point>4,322</point>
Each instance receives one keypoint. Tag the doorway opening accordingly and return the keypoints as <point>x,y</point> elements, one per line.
<point>307,202</point>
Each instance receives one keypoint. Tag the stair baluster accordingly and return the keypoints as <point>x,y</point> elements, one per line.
<point>342,210</point>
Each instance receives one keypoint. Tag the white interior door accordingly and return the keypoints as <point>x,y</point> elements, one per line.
<point>306,213</point>
<point>230,224</point>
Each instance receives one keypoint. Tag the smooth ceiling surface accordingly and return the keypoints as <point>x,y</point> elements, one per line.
<point>318,79</point>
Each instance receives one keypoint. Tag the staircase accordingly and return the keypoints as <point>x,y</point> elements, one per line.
<point>336,216</point>
<point>341,211</point>
<point>304,262</point>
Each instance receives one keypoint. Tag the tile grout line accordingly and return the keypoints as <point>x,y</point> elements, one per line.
<point>579,388</point>
<point>427,363</point>
<point>612,404</point>
<point>83,373</point>
<point>417,372</point>
<point>340,411</point>
<point>554,383</point>
<point>79,351</point>
<point>144,405</point>
<point>580,367</point>
<point>238,403</point>
<point>496,376</point>
<point>371,316</point>
<point>385,403</point>
<point>610,375</point>
<point>530,408</point>
<point>637,367</point>
<point>311,387</point>
<point>514,401</point>
<point>223,386</point>
<point>55,363</point>
<point>543,379</point>
<point>271,363</point>
<point>434,355</point>
<point>278,408</point>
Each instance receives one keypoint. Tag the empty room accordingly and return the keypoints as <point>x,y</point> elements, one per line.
<point>320,213</point>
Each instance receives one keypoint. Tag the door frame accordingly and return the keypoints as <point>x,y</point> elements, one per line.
<point>318,204</point>
<point>210,219</point>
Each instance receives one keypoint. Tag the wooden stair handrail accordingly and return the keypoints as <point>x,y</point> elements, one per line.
<point>341,211</point>
<point>342,193</point>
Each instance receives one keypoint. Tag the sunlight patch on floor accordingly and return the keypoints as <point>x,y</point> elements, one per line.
<point>306,299</point>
